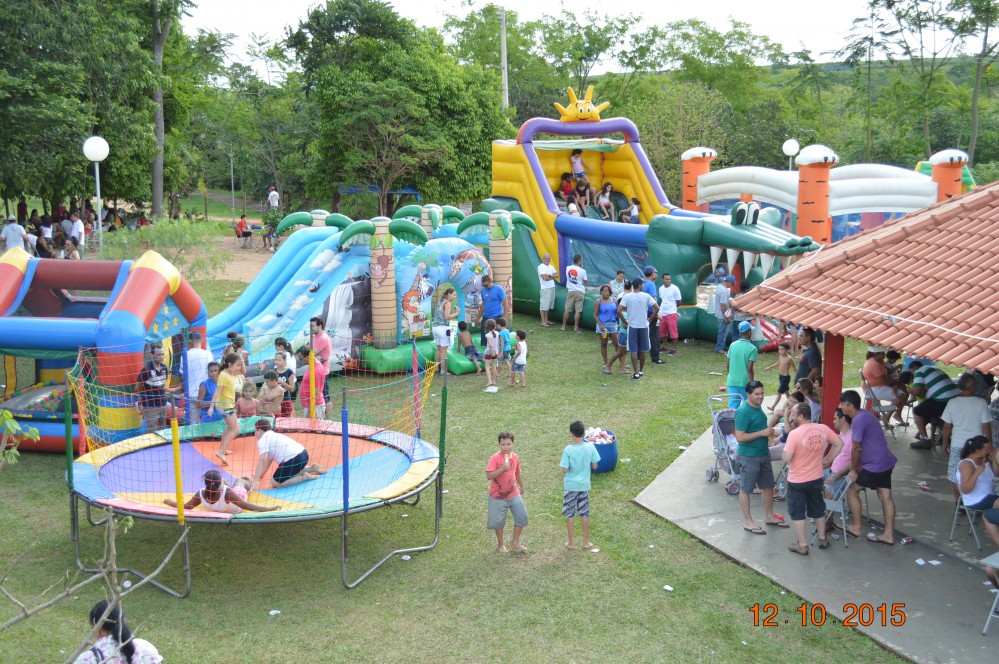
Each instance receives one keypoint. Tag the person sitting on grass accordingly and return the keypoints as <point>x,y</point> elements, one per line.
<point>217,496</point>
<point>291,458</point>
<point>115,643</point>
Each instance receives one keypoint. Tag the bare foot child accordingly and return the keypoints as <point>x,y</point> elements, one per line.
<point>785,365</point>
<point>217,496</point>
<point>271,395</point>
<point>578,459</point>
<point>505,488</point>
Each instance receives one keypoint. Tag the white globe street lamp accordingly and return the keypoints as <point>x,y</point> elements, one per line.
<point>791,147</point>
<point>96,150</point>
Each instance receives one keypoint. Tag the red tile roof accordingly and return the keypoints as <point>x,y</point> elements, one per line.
<point>925,284</point>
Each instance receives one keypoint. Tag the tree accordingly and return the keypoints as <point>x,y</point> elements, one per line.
<point>811,79</point>
<point>375,129</point>
<point>673,118</point>
<point>534,81</point>
<point>330,34</point>
<point>162,13</point>
<point>721,61</point>
<point>869,36</point>
<point>928,33</point>
<point>577,46</point>
<point>978,19</point>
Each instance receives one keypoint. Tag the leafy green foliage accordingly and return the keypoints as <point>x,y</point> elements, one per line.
<point>11,435</point>
<point>180,241</point>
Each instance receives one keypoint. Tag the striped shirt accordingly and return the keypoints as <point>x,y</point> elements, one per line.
<point>938,386</point>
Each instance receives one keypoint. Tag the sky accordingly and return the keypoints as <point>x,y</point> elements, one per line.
<point>819,26</point>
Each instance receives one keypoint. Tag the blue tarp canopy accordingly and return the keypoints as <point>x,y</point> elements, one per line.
<point>373,189</point>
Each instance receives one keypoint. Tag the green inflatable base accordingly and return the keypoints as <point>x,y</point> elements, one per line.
<point>400,358</point>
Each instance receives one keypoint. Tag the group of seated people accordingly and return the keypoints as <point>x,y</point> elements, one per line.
<point>578,195</point>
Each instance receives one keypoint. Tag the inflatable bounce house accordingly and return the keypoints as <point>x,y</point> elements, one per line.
<point>374,283</point>
<point>688,244</point>
<point>696,244</point>
<point>128,306</point>
<point>822,200</point>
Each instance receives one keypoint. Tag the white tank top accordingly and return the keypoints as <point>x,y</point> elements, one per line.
<point>221,505</point>
<point>982,488</point>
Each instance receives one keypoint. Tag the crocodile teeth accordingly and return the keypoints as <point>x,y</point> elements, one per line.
<point>767,263</point>
<point>784,261</point>
<point>716,253</point>
<point>748,260</point>
<point>732,255</point>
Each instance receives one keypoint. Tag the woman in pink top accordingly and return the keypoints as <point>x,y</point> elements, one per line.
<point>840,467</point>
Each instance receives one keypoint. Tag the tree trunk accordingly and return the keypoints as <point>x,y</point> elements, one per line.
<point>161,30</point>
<point>975,92</point>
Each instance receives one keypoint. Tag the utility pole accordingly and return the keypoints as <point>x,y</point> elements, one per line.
<point>506,82</point>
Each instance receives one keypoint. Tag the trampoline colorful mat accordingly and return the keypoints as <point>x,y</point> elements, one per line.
<point>136,475</point>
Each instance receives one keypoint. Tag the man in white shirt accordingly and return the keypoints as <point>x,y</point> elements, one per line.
<point>77,231</point>
<point>13,234</point>
<point>641,308</point>
<point>669,298</point>
<point>547,275</point>
<point>274,199</point>
<point>197,371</point>
<point>575,282</point>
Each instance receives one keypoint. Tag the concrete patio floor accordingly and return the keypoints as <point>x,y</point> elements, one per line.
<point>946,605</point>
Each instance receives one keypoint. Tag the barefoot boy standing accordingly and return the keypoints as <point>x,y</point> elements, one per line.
<point>578,459</point>
<point>505,487</point>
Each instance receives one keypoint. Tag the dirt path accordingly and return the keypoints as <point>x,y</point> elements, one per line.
<point>245,264</point>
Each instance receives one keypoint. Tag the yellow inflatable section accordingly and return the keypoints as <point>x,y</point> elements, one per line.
<point>612,161</point>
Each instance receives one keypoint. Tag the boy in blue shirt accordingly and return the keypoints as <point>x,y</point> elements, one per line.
<point>505,341</point>
<point>578,459</point>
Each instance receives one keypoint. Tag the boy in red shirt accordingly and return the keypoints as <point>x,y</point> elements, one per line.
<point>505,487</point>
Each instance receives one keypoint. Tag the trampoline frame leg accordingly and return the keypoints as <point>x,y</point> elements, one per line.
<point>344,539</point>
<point>183,543</point>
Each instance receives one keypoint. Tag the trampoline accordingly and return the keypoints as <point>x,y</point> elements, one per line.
<point>133,477</point>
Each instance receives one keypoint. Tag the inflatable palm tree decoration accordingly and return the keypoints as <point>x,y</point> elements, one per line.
<point>500,225</point>
<point>381,233</point>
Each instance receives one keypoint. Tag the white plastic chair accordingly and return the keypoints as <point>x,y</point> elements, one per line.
<point>960,507</point>
<point>882,409</point>
<point>837,505</point>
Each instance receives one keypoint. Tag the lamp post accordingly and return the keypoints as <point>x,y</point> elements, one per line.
<point>791,147</point>
<point>96,150</point>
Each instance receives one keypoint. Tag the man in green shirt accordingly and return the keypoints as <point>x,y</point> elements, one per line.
<point>753,457</point>
<point>741,357</point>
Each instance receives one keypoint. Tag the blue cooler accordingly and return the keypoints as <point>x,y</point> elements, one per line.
<point>608,455</point>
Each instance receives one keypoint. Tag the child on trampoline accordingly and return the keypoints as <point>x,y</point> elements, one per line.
<point>271,395</point>
<point>505,488</point>
<point>217,496</point>
<point>286,379</point>
<point>229,383</point>
<point>247,404</point>
<point>291,457</point>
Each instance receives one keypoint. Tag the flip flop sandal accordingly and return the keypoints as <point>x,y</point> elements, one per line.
<point>778,524</point>
<point>756,531</point>
<point>871,537</point>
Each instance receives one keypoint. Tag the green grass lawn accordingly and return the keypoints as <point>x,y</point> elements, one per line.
<point>460,602</point>
<point>220,205</point>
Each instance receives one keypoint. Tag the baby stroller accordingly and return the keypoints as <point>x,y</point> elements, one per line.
<point>723,435</point>
<point>725,444</point>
